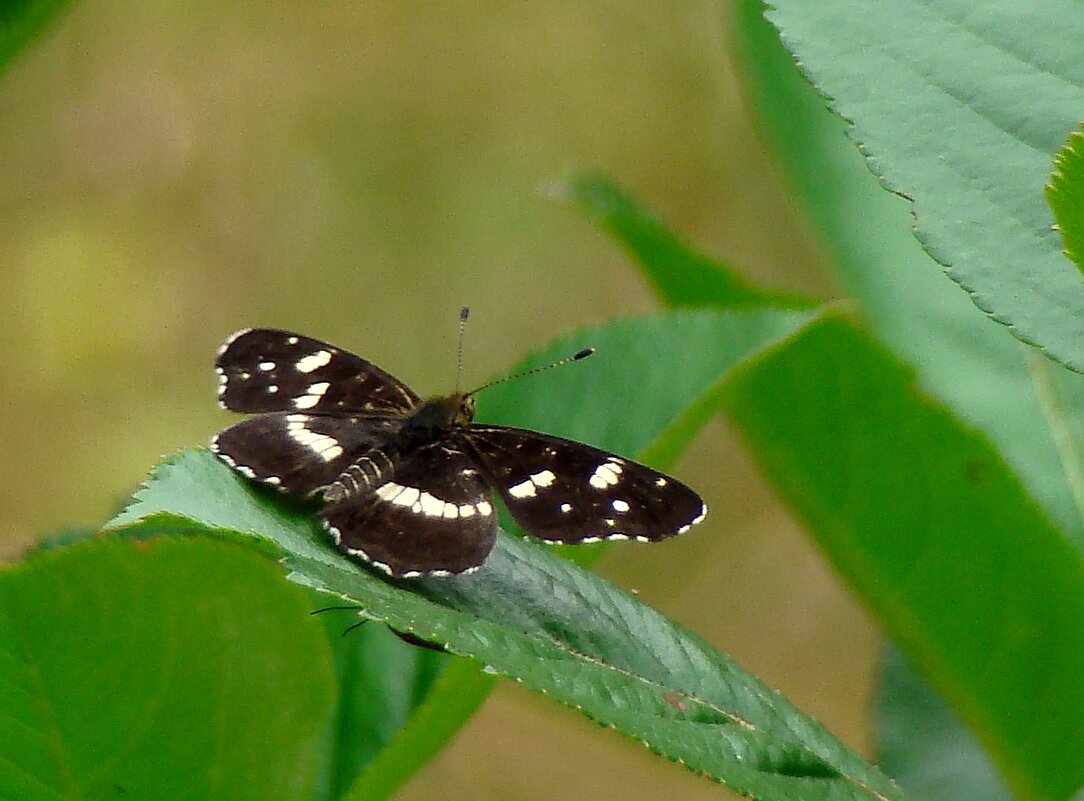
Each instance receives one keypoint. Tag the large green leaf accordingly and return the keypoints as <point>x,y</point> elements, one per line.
<point>537,618</point>
<point>170,668</point>
<point>961,107</point>
<point>922,517</point>
<point>1029,407</point>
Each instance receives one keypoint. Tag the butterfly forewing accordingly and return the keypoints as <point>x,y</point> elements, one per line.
<point>265,370</point>
<point>435,516</point>
<point>568,492</point>
<point>300,453</point>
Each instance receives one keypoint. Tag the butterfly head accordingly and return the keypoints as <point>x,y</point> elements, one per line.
<point>432,418</point>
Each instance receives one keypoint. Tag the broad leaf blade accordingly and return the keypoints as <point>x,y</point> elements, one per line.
<point>962,107</point>
<point>1028,406</point>
<point>975,367</point>
<point>924,519</point>
<point>175,668</point>
<point>539,619</point>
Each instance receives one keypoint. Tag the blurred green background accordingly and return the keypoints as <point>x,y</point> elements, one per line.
<point>357,171</point>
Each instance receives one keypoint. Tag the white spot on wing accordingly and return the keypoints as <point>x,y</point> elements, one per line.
<point>327,448</point>
<point>534,482</point>
<point>566,508</point>
<point>606,475</point>
<point>314,361</point>
<point>619,505</point>
<point>266,366</point>
<point>523,490</point>
<point>543,479</point>
<point>431,506</point>
<point>291,340</point>
<point>389,491</point>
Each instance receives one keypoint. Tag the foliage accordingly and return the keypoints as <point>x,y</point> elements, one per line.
<point>934,458</point>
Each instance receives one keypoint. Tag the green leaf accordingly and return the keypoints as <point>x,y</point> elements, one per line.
<point>534,617</point>
<point>173,668</point>
<point>923,744</point>
<point>962,107</point>
<point>1066,197</point>
<point>21,21</point>
<point>1026,405</point>
<point>924,519</point>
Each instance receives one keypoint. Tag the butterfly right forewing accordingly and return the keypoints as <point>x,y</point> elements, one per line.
<point>322,408</point>
<point>267,370</point>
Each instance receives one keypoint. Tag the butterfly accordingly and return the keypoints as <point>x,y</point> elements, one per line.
<point>407,484</point>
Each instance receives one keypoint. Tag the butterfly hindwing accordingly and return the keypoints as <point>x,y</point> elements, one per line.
<point>299,453</point>
<point>266,370</point>
<point>434,516</point>
<point>566,492</point>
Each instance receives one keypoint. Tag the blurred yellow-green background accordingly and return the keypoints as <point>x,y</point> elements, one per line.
<point>357,171</point>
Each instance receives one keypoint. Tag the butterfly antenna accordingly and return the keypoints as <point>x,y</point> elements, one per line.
<point>575,357</point>
<point>464,313</point>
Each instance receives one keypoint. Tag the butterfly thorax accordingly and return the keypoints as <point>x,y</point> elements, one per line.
<point>429,421</point>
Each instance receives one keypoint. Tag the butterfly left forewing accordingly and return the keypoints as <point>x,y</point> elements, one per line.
<point>566,492</point>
